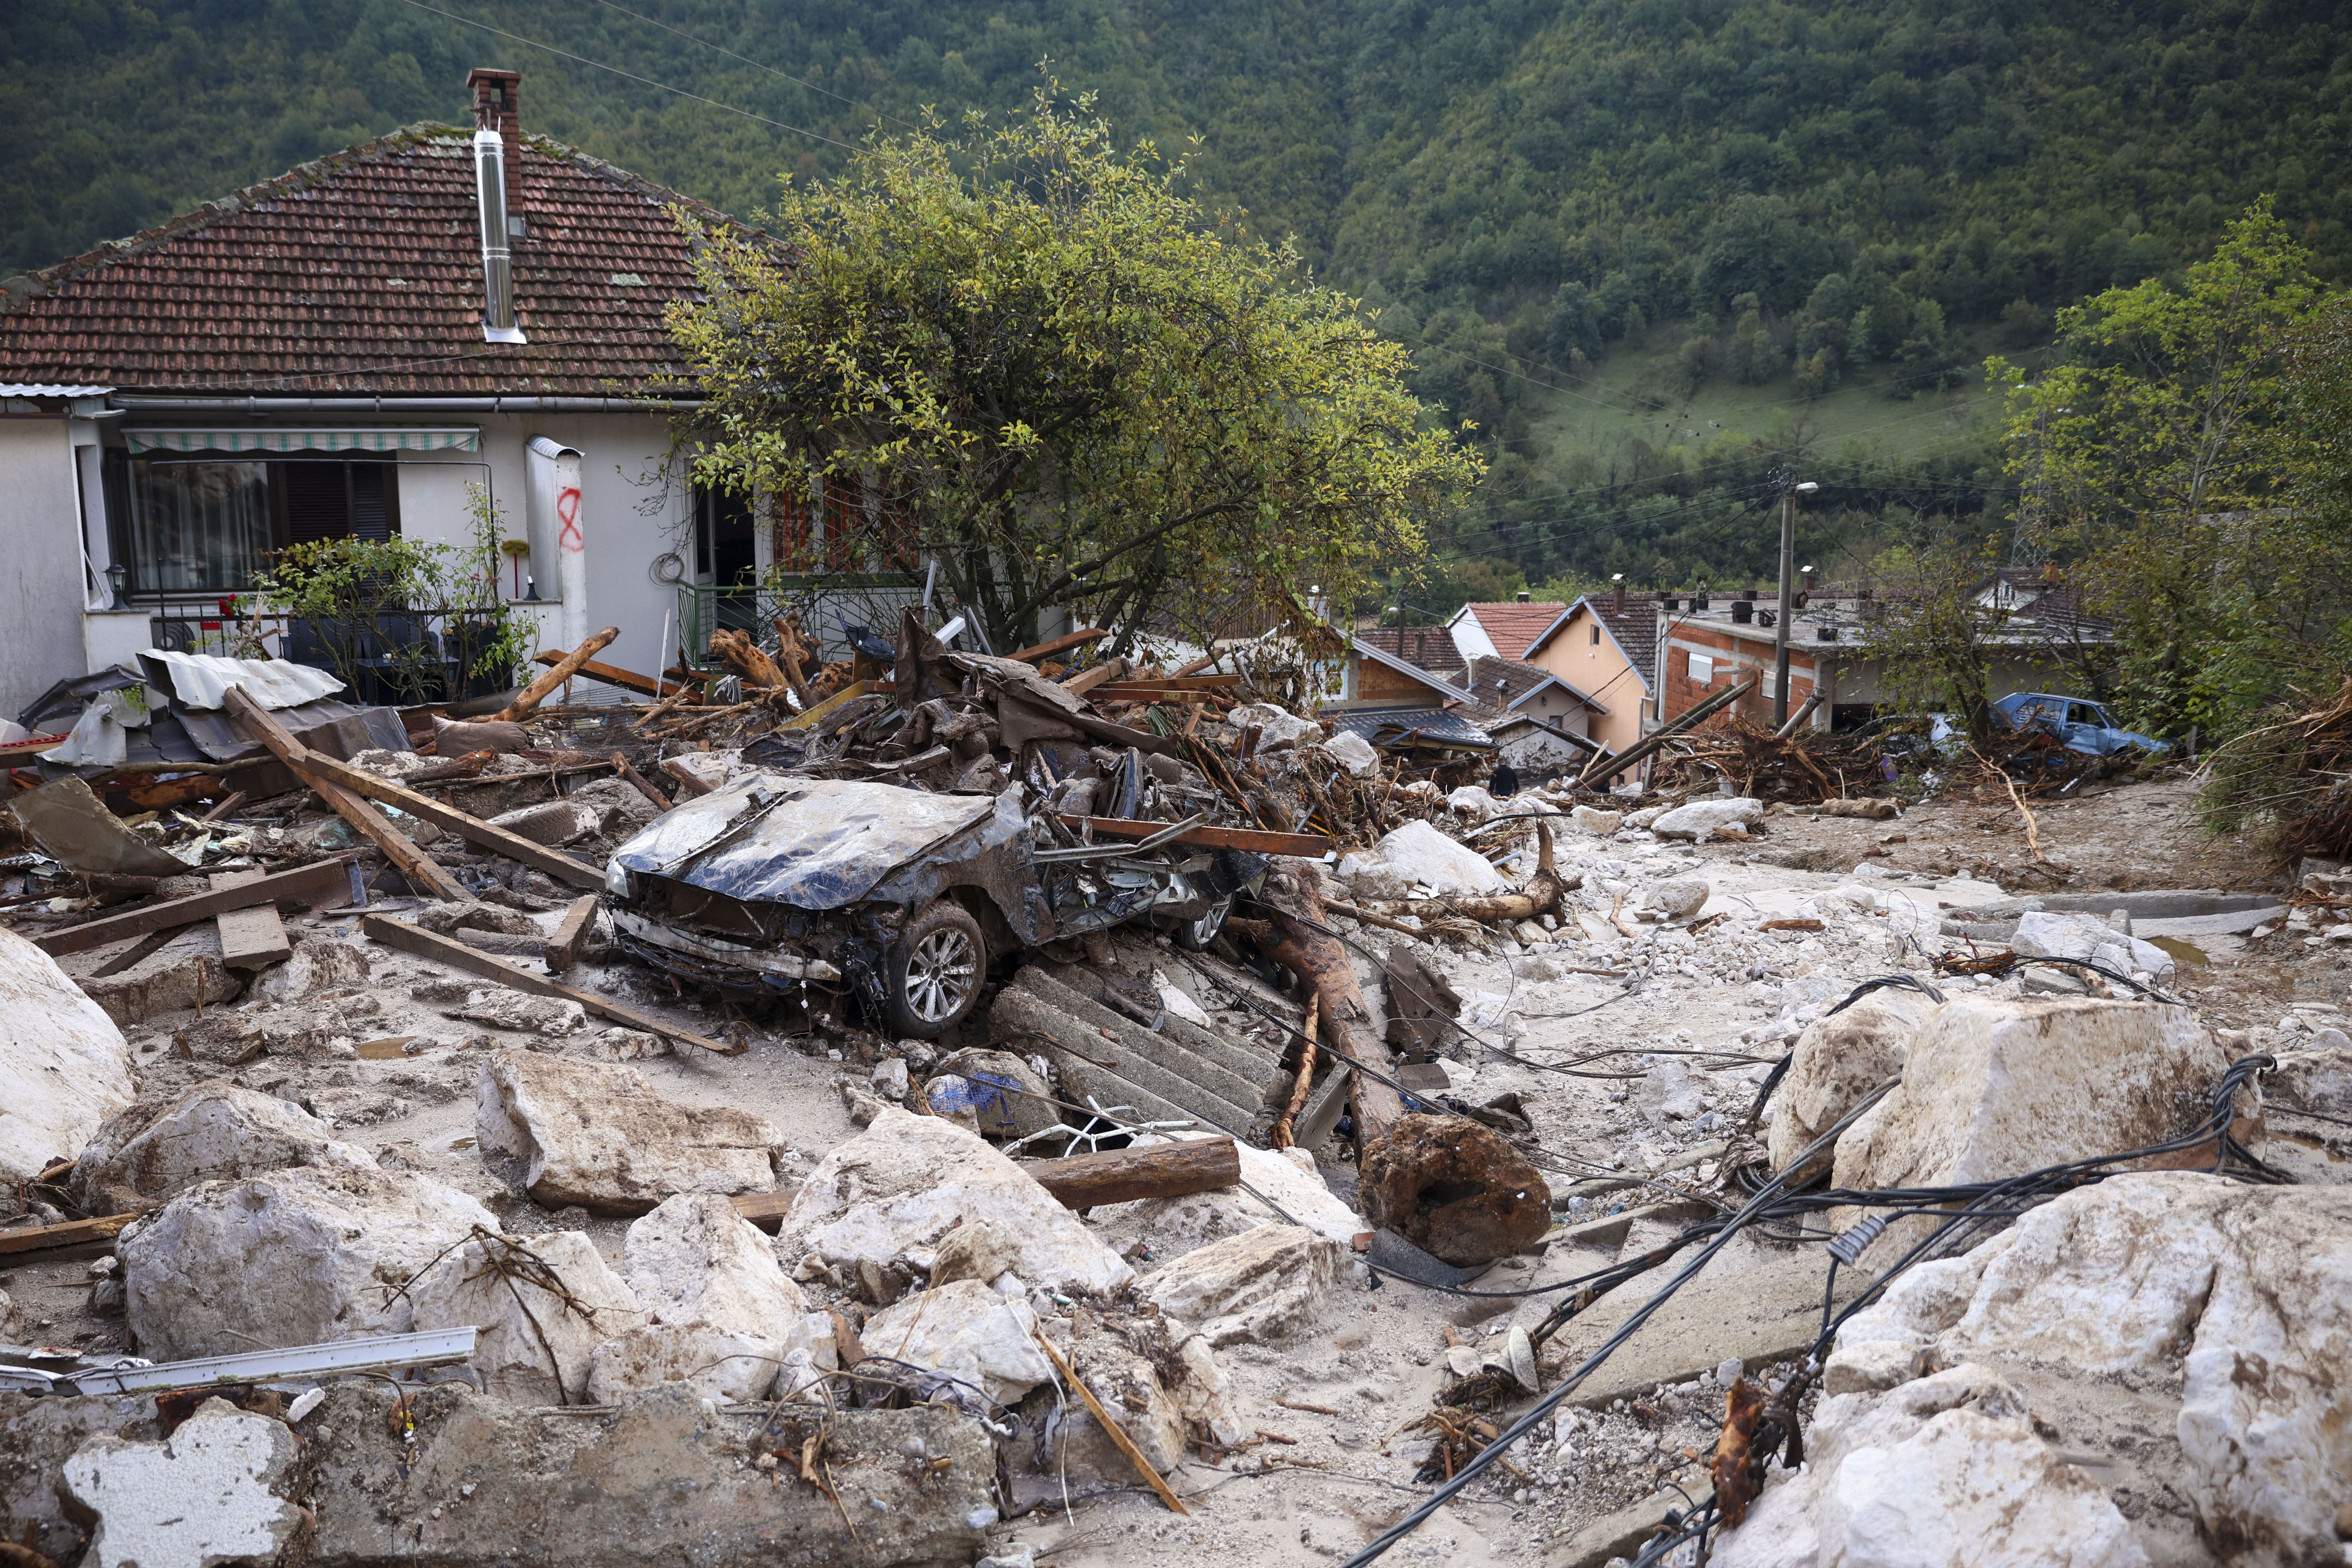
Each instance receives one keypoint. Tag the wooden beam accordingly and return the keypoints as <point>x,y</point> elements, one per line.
<point>563,947</point>
<point>414,864</point>
<point>694,784</point>
<point>1085,680</point>
<point>766,1210</point>
<point>643,786</point>
<point>252,937</point>
<point>1153,1171</point>
<point>1312,845</point>
<point>424,943</point>
<point>311,884</point>
<point>146,947</point>
<point>627,679</point>
<point>72,1233</point>
<point>1144,691</point>
<point>1063,644</point>
<point>531,695</point>
<point>841,698</point>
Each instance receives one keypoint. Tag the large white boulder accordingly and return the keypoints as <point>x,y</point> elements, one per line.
<point>1276,728</point>
<point>596,1133</point>
<point>2249,1288</point>
<point>1593,820</point>
<point>967,1332</point>
<point>2058,934</point>
<point>1837,1060</point>
<point>707,1274</point>
<point>65,1069</point>
<point>1996,1088</point>
<point>1701,818</point>
<point>1355,753</point>
<point>1265,1286</point>
<point>295,1257</point>
<point>216,1132</point>
<point>888,1196</point>
<point>543,1304</point>
<point>1945,1471</point>
<point>1415,855</point>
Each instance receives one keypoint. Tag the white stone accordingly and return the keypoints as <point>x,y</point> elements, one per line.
<point>1680,898</point>
<point>1180,1004</point>
<point>1837,1060</point>
<point>1355,753</point>
<point>319,964</point>
<point>1264,1286</point>
<point>1204,1393</point>
<point>1593,820</point>
<point>201,1498</point>
<point>295,1257</point>
<point>2066,933</point>
<point>1702,817</point>
<point>1669,1093</point>
<point>889,1194</point>
<point>65,1069</point>
<point>1277,729</point>
<point>1131,1392</point>
<point>535,1343</point>
<point>978,1249</point>
<point>216,1132</point>
<point>889,1078</point>
<point>696,1259</point>
<point>726,1365</point>
<point>1473,801</point>
<point>553,1016</point>
<point>966,1331</point>
<point>1418,855</point>
<point>596,1133</point>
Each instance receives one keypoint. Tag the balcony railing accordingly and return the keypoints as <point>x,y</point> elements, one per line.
<point>824,602</point>
<point>396,659</point>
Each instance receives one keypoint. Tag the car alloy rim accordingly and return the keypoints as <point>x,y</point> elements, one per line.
<point>940,975</point>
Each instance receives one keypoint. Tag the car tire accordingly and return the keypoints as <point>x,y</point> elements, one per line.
<point>1195,935</point>
<point>935,972</point>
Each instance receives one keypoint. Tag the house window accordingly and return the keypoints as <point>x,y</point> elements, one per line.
<point>207,527</point>
<point>1702,669</point>
<point>1596,635</point>
<point>725,553</point>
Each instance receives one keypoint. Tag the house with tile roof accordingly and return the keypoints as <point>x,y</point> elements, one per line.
<point>1500,629</point>
<point>351,350</point>
<point>1605,646</point>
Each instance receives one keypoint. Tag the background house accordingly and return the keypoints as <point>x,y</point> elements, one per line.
<point>344,351</point>
<point>1605,649</point>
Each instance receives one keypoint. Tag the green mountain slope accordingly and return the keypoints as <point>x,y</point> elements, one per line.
<point>1650,245</point>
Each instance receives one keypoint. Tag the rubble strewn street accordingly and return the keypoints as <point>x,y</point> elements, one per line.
<point>999,1110</point>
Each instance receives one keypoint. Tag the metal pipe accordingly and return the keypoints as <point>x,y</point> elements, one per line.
<point>251,404</point>
<point>1797,719</point>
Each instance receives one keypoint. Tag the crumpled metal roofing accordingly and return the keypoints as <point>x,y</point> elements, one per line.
<point>199,681</point>
<point>814,844</point>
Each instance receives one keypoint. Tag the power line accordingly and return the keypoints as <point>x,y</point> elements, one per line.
<point>771,70</point>
<point>631,76</point>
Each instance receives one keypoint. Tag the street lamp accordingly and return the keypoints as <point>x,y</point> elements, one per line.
<point>118,580</point>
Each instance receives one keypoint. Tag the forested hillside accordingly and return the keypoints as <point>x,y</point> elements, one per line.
<point>1651,247</point>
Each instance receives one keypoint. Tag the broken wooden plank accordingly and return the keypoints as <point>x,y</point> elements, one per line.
<point>841,698</point>
<point>627,679</point>
<point>1152,1171</point>
<point>1085,680</point>
<point>1062,643</point>
<point>643,786</point>
<point>314,883</point>
<point>531,695</point>
<point>252,937</point>
<point>563,947</point>
<point>424,943</point>
<point>146,947</point>
<point>695,784</point>
<point>420,869</point>
<point>1310,844</point>
<point>765,1210</point>
<point>1145,691</point>
<point>71,1233</point>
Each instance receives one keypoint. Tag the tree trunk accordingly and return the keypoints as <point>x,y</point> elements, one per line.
<point>1294,892</point>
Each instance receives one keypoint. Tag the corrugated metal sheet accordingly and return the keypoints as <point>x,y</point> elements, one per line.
<point>49,389</point>
<point>1387,726</point>
<point>272,438</point>
<point>198,680</point>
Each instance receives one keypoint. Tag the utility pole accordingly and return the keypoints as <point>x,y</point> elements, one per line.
<point>1788,598</point>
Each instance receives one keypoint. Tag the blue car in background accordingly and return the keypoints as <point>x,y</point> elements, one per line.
<point>2075,723</point>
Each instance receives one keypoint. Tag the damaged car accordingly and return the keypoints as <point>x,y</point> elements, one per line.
<point>809,890</point>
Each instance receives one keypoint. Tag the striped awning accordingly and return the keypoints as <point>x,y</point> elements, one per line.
<point>273,439</point>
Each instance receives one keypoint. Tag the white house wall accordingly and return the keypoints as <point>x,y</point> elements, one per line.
<point>41,577</point>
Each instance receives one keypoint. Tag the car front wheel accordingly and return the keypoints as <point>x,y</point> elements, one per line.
<point>936,970</point>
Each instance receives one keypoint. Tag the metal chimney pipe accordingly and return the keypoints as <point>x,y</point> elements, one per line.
<point>498,261</point>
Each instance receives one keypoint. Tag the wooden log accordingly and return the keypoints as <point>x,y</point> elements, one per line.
<point>1154,1171</point>
<point>71,1233</point>
<point>314,883</point>
<point>224,808</point>
<point>458,955</point>
<point>1308,845</point>
<point>253,937</point>
<point>1143,691</point>
<point>563,947</point>
<point>643,786</point>
<point>414,864</point>
<point>626,680</point>
<point>1062,643</point>
<point>1542,893</point>
<point>531,695</point>
<point>1301,944</point>
<point>1280,1138</point>
<point>694,784</point>
<point>747,658</point>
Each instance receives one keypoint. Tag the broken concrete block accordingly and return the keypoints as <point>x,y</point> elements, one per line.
<point>205,1496</point>
<point>172,981</point>
<point>1418,855</point>
<point>556,821</point>
<point>965,1330</point>
<point>1354,753</point>
<point>889,1195</point>
<point>1265,1286</point>
<point>1473,801</point>
<point>1994,1088</point>
<point>1593,820</point>
<point>695,1260</point>
<point>662,1480</point>
<point>65,1067</point>
<point>1070,1440</point>
<point>37,1437</point>
<point>154,1151</point>
<point>448,918</point>
<point>977,1249</point>
<point>1276,727</point>
<point>552,1017</point>
<point>596,1133</point>
<point>1701,818</point>
<point>1837,1060</point>
<point>319,964</point>
<point>295,1257</point>
<point>1668,1092</point>
<point>732,1364</point>
<point>2064,933</point>
<point>543,1304</point>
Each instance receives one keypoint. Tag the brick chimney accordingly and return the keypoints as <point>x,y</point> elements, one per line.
<point>497,106</point>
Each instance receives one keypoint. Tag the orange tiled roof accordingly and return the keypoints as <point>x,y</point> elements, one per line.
<point>362,273</point>
<point>1512,625</point>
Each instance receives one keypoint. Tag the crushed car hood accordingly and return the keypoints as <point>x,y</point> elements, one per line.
<point>814,843</point>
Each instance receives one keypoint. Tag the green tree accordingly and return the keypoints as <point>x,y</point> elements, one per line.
<point>1078,386</point>
<point>2163,451</point>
